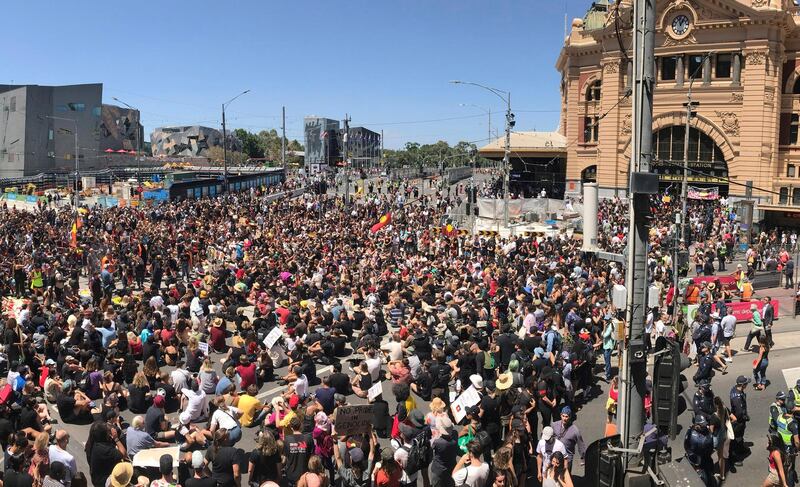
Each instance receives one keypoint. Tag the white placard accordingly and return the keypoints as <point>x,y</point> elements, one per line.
<point>470,397</point>
<point>203,346</point>
<point>467,399</point>
<point>272,337</point>
<point>151,457</point>
<point>375,391</point>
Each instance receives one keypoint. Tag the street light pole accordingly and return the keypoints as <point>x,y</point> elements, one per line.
<point>506,97</point>
<point>225,143</point>
<point>689,113</point>
<point>138,139</point>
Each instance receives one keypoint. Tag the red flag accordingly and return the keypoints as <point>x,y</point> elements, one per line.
<point>385,220</point>
<point>449,230</point>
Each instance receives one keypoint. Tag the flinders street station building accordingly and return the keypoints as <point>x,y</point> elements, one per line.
<point>741,60</point>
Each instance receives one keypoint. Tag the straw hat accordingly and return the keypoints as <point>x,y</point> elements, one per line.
<point>121,475</point>
<point>504,381</point>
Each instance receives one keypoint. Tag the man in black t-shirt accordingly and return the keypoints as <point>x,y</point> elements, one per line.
<point>339,381</point>
<point>489,413</point>
<point>199,477</point>
<point>297,449</point>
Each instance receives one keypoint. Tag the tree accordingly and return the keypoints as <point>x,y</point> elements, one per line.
<point>251,143</point>
<point>235,158</point>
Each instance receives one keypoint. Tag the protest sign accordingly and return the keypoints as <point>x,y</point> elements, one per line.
<point>354,420</point>
<point>272,337</point>
<point>375,391</point>
<point>203,346</point>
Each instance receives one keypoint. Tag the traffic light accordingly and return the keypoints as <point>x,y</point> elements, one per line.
<point>603,464</point>
<point>668,383</point>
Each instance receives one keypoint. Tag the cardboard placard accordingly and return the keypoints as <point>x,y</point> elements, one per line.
<point>375,391</point>
<point>354,420</point>
<point>272,337</point>
<point>151,457</point>
<point>203,347</point>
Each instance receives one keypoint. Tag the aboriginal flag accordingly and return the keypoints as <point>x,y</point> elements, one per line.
<point>385,220</point>
<point>449,230</point>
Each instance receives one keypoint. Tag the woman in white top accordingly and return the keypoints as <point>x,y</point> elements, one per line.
<point>226,417</point>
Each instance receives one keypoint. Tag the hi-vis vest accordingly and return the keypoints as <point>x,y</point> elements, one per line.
<point>783,429</point>
<point>36,281</point>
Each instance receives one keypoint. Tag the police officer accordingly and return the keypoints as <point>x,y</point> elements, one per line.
<point>705,363</point>
<point>699,445</point>
<point>787,429</point>
<point>776,409</point>
<point>703,400</point>
<point>739,419</point>
<point>793,400</point>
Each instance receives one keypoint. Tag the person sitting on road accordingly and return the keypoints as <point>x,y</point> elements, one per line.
<point>73,405</point>
<point>137,439</point>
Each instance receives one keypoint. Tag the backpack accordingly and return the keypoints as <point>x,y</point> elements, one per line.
<point>556,340</point>
<point>443,377</point>
<point>702,334</point>
<point>420,455</point>
<point>488,361</point>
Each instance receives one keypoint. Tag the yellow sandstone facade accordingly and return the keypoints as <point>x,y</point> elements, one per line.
<point>741,59</point>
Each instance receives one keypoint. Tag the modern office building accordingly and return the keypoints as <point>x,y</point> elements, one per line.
<point>363,147</point>
<point>38,126</point>
<point>322,144</point>
<point>740,59</point>
<point>120,129</point>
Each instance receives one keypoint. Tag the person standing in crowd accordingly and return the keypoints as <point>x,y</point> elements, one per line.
<point>548,444</point>
<point>570,436</point>
<point>739,419</point>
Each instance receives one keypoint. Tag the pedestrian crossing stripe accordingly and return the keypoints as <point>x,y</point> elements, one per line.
<point>791,376</point>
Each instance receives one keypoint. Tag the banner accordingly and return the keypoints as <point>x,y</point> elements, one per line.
<point>375,391</point>
<point>741,310</point>
<point>696,193</point>
<point>272,337</point>
<point>467,399</point>
<point>354,420</point>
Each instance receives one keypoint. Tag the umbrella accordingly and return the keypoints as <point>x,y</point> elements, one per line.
<point>122,151</point>
<point>109,150</point>
<point>133,152</point>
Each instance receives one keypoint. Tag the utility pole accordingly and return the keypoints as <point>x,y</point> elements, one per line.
<point>506,169</point>
<point>224,153</point>
<point>225,143</point>
<point>283,138</point>
<point>642,183</point>
<point>345,159</point>
<point>381,146</point>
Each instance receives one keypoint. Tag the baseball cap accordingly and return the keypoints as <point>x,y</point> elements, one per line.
<point>356,455</point>
<point>158,401</point>
<point>566,410</point>
<point>197,459</point>
<point>780,395</point>
<point>547,433</point>
<point>742,380</point>
<point>294,400</point>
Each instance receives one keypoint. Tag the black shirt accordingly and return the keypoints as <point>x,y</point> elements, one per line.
<point>137,400</point>
<point>17,479</point>
<point>104,458</point>
<point>381,420</point>
<point>222,464</point>
<point>202,482</point>
<point>506,343</point>
<point>265,467</point>
<point>6,430</point>
<point>153,420</point>
<point>65,404</point>
<point>297,450</point>
<point>324,396</point>
<point>491,415</point>
<point>340,382</point>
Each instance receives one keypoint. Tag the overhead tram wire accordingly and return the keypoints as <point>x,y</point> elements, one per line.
<point>726,178</point>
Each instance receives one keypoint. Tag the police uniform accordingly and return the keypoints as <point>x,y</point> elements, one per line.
<point>776,409</point>
<point>739,409</point>
<point>699,446</point>
<point>705,367</point>
<point>793,400</point>
<point>703,400</point>
<point>787,428</point>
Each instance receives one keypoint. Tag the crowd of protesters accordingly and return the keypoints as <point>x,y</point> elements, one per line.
<point>123,324</point>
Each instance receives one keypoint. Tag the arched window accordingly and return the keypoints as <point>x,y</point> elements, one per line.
<point>705,157</point>
<point>796,89</point>
<point>593,91</point>
<point>589,175</point>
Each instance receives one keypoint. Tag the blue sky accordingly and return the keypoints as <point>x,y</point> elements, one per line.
<point>386,63</point>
